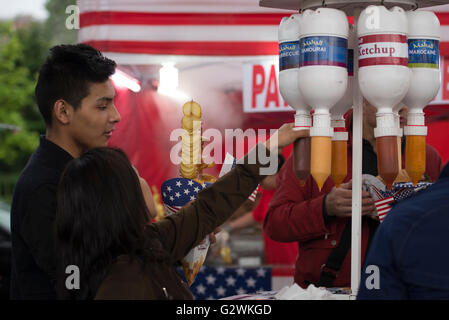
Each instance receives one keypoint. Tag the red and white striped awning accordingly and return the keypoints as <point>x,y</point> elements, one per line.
<point>138,30</point>
<point>147,31</point>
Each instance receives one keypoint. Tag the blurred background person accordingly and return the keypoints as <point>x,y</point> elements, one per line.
<point>320,221</point>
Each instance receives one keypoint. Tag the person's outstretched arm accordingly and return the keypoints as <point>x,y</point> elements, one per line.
<point>215,204</point>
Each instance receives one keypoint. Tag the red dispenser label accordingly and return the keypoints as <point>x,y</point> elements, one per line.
<point>383,49</point>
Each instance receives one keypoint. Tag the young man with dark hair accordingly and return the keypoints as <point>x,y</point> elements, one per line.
<point>76,100</point>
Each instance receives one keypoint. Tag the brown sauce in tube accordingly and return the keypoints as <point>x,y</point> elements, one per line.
<point>301,159</point>
<point>387,159</point>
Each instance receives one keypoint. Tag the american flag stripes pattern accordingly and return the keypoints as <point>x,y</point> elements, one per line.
<point>253,195</point>
<point>219,282</point>
<point>383,206</point>
<point>142,29</point>
<point>399,191</point>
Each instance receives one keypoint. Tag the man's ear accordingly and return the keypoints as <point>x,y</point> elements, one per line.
<point>63,111</point>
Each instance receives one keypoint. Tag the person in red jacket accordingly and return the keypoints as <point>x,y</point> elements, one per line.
<point>320,221</point>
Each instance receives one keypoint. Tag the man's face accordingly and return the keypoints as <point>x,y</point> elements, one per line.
<point>93,122</point>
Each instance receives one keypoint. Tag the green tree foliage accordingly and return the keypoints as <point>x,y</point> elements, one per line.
<point>16,100</point>
<point>56,22</point>
<point>23,49</point>
<point>35,44</point>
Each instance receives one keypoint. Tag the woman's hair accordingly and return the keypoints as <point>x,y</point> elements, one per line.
<point>101,214</point>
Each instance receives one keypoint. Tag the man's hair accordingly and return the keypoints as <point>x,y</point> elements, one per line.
<point>67,74</point>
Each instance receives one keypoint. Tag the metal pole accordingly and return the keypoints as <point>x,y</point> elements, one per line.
<point>357,123</point>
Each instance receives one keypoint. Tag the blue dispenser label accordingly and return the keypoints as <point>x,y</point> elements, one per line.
<point>423,53</point>
<point>289,55</point>
<point>323,50</point>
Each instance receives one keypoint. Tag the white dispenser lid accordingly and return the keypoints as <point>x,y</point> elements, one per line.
<point>423,24</point>
<point>324,21</point>
<point>378,20</point>
<point>289,28</point>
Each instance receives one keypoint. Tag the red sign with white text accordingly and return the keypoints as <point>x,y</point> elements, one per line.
<point>261,88</point>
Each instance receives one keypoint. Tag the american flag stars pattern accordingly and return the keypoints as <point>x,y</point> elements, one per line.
<point>220,282</point>
<point>177,192</point>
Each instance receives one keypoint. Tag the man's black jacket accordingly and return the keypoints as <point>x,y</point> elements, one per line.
<point>33,212</point>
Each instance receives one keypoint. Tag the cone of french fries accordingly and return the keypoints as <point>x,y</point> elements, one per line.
<point>191,172</point>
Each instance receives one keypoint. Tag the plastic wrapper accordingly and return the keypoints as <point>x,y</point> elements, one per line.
<point>194,260</point>
<point>174,197</point>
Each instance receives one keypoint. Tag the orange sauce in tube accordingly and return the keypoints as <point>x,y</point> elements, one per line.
<point>387,159</point>
<point>320,159</point>
<point>415,157</point>
<point>339,162</point>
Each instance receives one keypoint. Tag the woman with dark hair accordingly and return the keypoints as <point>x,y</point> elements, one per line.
<point>102,224</point>
<point>100,215</point>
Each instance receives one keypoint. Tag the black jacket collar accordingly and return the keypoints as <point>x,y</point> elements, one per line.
<point>52,154</point>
